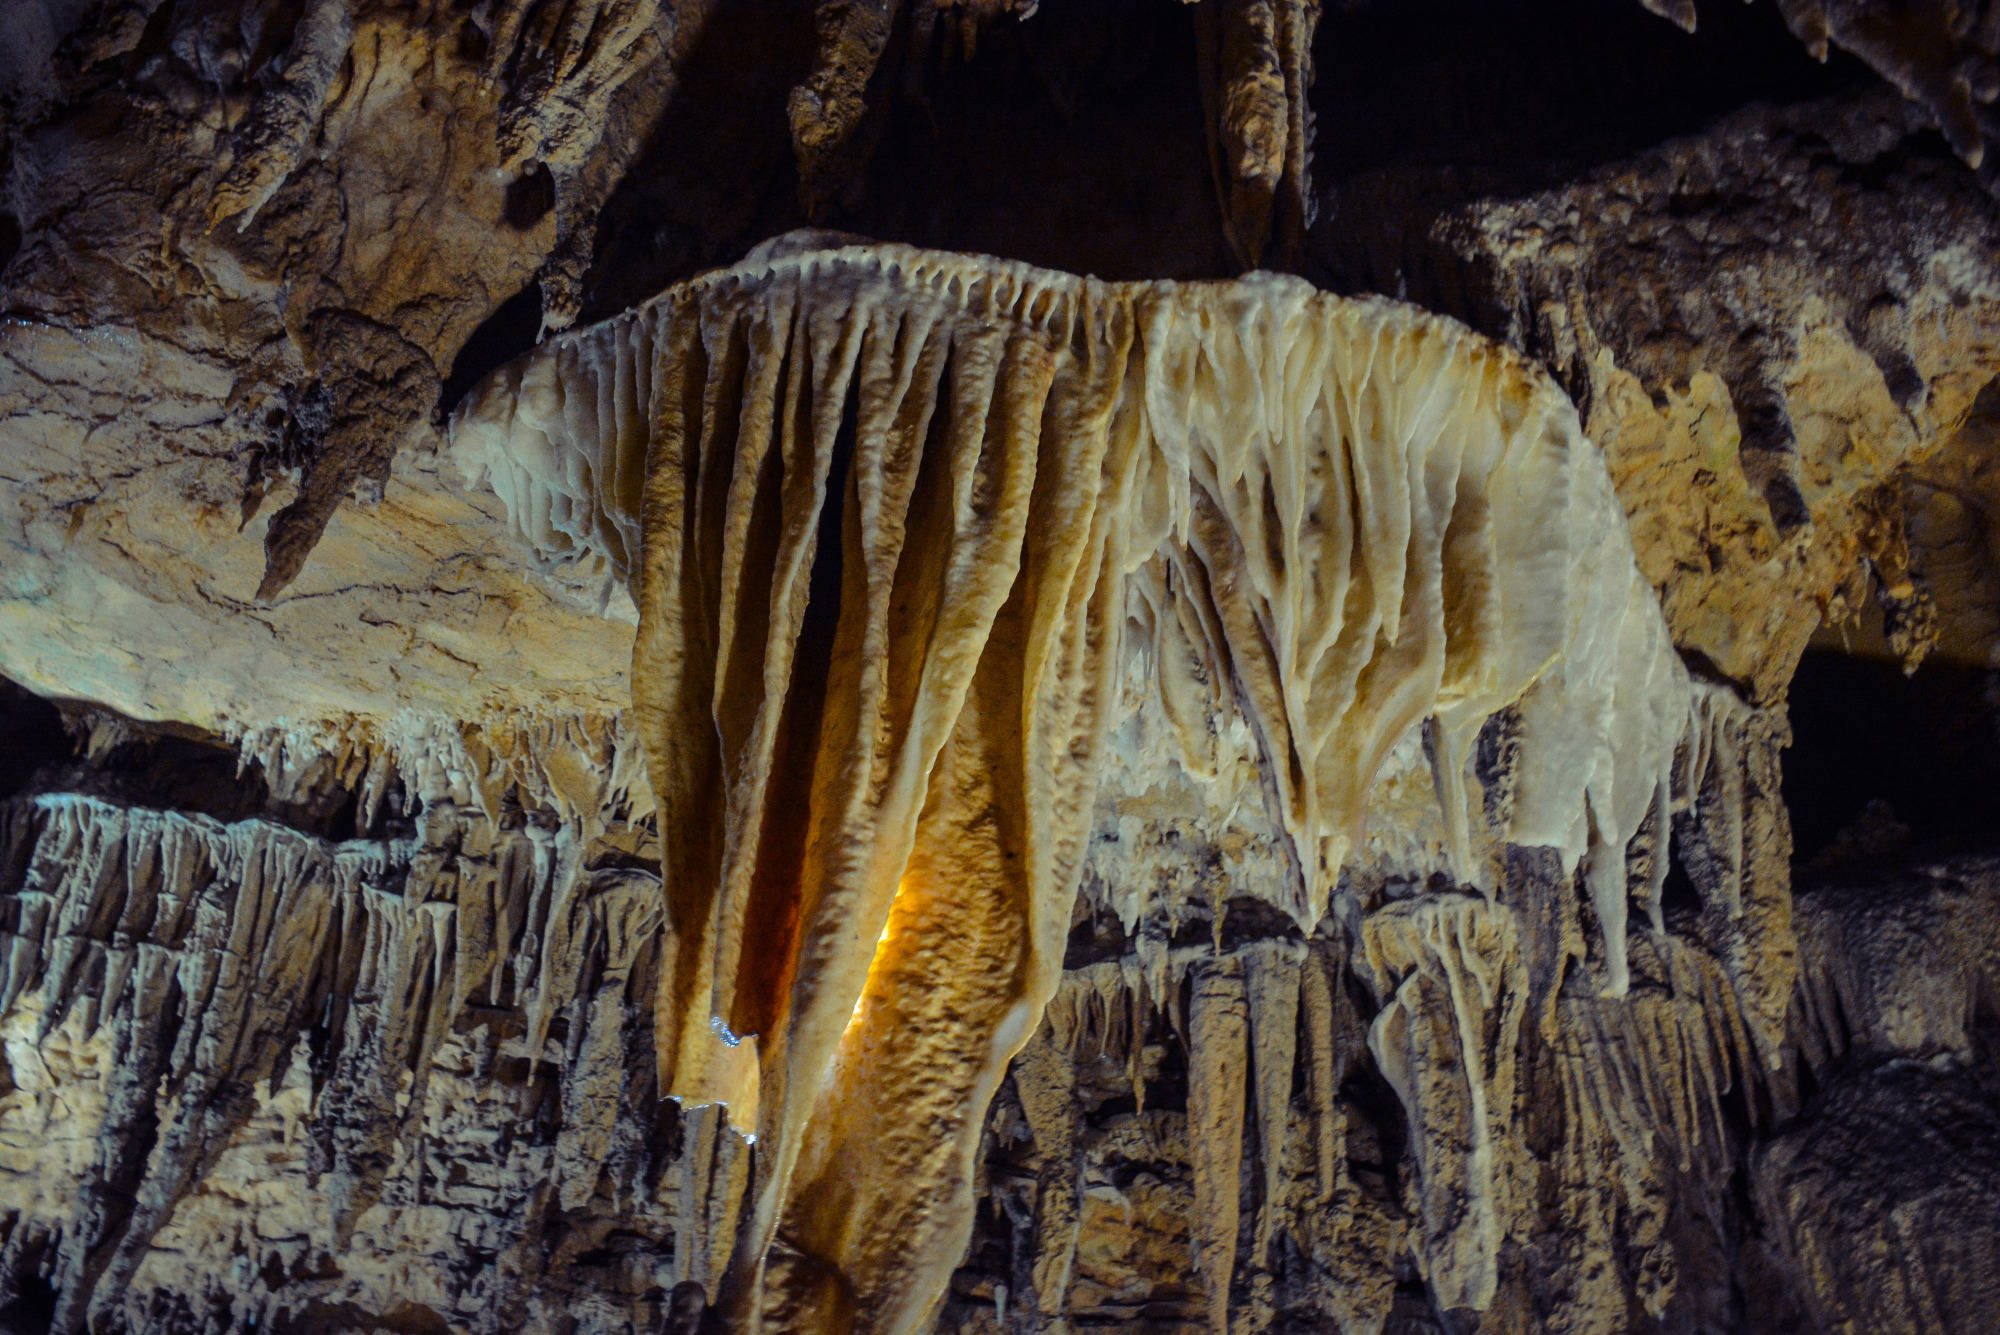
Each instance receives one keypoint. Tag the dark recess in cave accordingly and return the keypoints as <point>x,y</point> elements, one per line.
<point>530,196</point>
<point>771,914</point>
<point>716,176</point>
<point>1098,164</point>
<point>186,773</point>
<point>32,738</point>
<point>1679,900</point>
<point>500,337</point>
<point>199,774</point>
<point>1527,89</point>
<point>1923,745</point>
<point>1423,108</point>
<point>166,768</point>
<point>33,1307</point>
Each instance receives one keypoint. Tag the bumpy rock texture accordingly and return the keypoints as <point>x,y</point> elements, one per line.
<point>884,789</point>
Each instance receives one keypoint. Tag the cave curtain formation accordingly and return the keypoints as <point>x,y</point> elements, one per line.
<point>886,513</point>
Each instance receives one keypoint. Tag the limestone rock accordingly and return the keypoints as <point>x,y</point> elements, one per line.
<point>1186,799</point>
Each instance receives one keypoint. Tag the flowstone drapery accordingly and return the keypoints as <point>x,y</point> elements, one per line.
<point>888,516</point>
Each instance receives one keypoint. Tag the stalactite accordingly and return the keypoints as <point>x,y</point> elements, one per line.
<point>168,982</point>
<point>1651,1069</point>
<point>1944,56</point>
<point>274,135</point>
<point>1256,69</point>
<point>1243,1008</point>
<point>581,769</point>
<point>1733,836</point>
<point>881,507</point>
<point>829,109</point>
<point>919,547</point>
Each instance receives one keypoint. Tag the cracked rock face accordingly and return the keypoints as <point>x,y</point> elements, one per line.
<point>953,758</point>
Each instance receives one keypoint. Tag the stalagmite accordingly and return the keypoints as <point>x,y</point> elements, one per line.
<point>708,1198</point>
<point>880,507</point>
<point>1318,992</point>
<point>1045,1079</point>
<point>1218,1080</point>
<point>1448,972</point>
<point>1272,974</point>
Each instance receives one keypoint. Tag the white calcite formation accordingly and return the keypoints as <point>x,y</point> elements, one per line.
<point>891,519</point>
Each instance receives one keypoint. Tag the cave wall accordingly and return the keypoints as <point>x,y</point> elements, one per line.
<point>331,865</point>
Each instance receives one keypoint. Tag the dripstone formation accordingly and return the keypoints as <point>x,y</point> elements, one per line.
<point>1143,667</point>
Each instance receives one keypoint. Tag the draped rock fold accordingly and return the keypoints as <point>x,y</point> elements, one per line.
<point>881,509</point>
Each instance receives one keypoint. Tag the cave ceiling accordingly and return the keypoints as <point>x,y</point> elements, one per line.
<point>1001,667</point>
